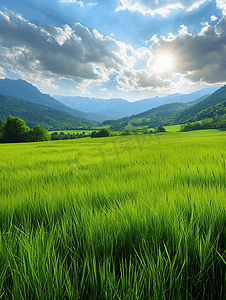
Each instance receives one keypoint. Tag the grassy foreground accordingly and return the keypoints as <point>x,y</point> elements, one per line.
<point>133,217</point>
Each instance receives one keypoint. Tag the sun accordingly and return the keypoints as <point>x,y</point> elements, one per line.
<point>163,63</point>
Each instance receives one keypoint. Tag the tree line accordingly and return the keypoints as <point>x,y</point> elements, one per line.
<point>217,122</point>
<point>15,130</point>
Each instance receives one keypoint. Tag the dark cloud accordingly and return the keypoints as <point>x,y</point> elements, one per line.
<point>60,52</point>
<point>200,57</point>
<point>75,53</point>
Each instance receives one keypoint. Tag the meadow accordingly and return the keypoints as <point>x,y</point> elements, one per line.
<point>123,217</point>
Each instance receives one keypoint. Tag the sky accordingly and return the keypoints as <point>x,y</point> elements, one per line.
<point>130,49</point>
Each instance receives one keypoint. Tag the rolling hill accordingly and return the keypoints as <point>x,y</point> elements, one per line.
<point>36,114</point>
<point>189,114</point>
<point>206,106</point>
<point>26,91</point>
<point>160,115</point>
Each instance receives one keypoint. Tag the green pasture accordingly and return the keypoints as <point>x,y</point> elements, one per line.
<point>172,128</point>
<point>123,217</point>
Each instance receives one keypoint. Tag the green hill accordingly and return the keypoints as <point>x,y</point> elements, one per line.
<point>35,114</point>
<point>152,117</point>
<point>162,115</point>
<point>218,109</point>
<point>26,91</point>
<point>217,97</point>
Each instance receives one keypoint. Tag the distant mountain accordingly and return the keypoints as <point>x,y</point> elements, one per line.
<point>190,113</point>
<point>36,114</point>
<point>111,114</point>
<point>119,108</point>
<point>94,105</point>
<point>26,91</point>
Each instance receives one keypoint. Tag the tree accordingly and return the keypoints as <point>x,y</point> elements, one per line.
<point>14,130</point>
<point>93,134</point>
<point>40,133</point>
<point>103,132</point>
<point>160,129</point>
<point>55,136</point>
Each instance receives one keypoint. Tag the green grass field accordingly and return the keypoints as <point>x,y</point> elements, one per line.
<point>173,128</point>
<point>125,217</point>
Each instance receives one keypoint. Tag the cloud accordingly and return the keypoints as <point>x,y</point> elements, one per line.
<point>221,4</point>
<point>2,72</point>
<point>44,54</point>
<point>72,1</point>
<point>130,80</point>
<point>213,18</point>
<point>163,7</point>
<point>91,4</point>
<point>198,57</point>
<point>81,90</point>
<point>78,2</point>
<point>73,53</point>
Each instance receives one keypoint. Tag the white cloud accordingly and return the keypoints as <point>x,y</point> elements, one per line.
<point>78,2</point>
<point>130,80</point>
<point>81,90</point>
<point>4,16</point>
<point>213,18</point>
<point>92,4</point>
<point>163,7</point>
<point>2,72</point>
<point>72,53</point>
<point>72,1</point>
<point>43,54</point>
<point>221,4</point>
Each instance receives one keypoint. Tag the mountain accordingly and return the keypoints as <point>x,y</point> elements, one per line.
<point>176,113</point>
<point>218,109</point>
<point>118,108</point>
<point>26,91</point>
<point>153,117</point>
<point>36,114</point>
<point>190,113</point>
<point>105,107</point>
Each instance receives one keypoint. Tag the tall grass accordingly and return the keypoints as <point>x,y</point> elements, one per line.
<point>134,217</point>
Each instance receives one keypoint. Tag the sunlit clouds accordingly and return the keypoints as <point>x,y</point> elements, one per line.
<point>88,60</point>
<point>162,8</point>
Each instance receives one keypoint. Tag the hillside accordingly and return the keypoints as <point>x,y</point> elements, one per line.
<point>36,114</point>
<point>26,91</point>
<point>218,109</point>
<point>217,97</point>
<point>152,117</point>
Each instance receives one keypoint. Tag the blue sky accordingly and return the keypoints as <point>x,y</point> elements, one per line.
<point>132,49</point>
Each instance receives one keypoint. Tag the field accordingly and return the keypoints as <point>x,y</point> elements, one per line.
<point>173,128</point>
<point>124,217</point>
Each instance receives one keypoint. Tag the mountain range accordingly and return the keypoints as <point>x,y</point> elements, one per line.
<point>22,99</point>
<point>35,114</point>
<point>176,113</point>
<point>23,90</point>
<point>116,108</point>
